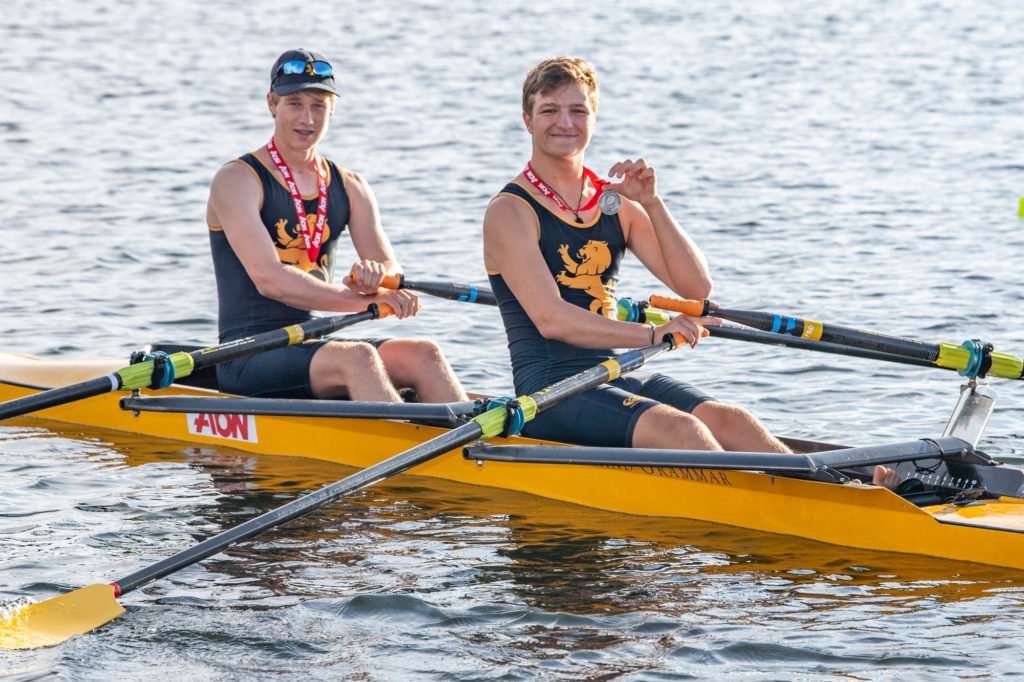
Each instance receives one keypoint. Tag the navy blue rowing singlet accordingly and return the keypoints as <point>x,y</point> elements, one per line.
<point>583,259</point>
<point>243,311</point>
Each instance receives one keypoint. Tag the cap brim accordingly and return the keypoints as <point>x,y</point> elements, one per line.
<point>289,88</point>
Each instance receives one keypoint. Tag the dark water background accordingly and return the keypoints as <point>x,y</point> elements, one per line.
<point>856,163</point>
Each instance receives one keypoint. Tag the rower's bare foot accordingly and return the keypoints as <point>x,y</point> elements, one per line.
<point>885,477</point>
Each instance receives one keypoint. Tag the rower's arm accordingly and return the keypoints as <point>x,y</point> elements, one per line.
<point>234,202</point>
<point>666,249</point>
<point>376,257</point>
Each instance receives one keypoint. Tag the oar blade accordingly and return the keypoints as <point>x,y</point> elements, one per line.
<point>55,620</point>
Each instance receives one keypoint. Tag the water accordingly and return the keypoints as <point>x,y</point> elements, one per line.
<point>849,162</point>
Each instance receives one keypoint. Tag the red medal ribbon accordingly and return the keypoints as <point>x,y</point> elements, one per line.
<point>600,184</point>
<point>312,242</point>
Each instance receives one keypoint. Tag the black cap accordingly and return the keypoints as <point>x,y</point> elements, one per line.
<point>287,83</point>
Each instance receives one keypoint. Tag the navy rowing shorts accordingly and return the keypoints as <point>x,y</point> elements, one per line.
<point>606,416</point>
<point>278,373</point>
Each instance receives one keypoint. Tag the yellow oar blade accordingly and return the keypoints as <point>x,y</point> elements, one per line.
<point>56,620</point>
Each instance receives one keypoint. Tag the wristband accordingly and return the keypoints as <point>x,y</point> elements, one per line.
<point>650,328</point>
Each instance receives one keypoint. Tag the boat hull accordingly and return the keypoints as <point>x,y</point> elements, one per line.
<point>862,516</point>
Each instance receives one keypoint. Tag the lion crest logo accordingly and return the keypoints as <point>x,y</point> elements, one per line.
<point>594,258</point>
<point>291,248</point>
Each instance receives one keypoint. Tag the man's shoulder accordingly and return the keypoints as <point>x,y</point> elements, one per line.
<point>513,196</point>
<point>235,175</point>
<point>509,208</point>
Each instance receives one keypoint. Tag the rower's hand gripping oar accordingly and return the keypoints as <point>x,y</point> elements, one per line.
<point>970,358</point>
<point>161,372</point>
<point>55,620</point>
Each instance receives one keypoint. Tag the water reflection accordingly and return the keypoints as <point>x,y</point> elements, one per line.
<point>548,555</point>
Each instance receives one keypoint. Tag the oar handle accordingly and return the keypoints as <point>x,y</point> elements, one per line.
<point>393,281</point>
<point>681,305</point>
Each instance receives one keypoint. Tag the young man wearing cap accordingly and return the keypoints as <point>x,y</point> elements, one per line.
<point>273,243</point>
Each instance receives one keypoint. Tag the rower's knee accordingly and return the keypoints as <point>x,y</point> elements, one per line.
<point>425,352</point>
<point>413,359</point>
<point>341,363</point>
<point>352,354</point>
<point>722,418</point>
<point>665,427</point>
<point>737,429</point>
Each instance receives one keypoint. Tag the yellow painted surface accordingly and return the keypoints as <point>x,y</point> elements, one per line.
<point>866,517</point>
<point>55,620</point>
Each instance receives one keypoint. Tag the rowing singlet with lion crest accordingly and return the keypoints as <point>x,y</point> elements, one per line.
<point>243,309</point>
<point>583,259</point>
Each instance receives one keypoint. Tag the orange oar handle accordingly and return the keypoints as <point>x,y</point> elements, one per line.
<point>680,305</point>
<point>678,340</point>
<point>384,310</point>
<point>389,281</point>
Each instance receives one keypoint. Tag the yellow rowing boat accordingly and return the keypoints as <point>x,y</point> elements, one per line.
<point>971,509</point>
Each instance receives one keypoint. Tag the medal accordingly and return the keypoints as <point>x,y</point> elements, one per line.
<point>609,202</point>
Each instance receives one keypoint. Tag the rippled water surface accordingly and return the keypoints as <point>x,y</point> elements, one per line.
<point>857,163</point>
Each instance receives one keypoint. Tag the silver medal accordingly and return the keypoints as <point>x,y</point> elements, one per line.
<point>609,202</point>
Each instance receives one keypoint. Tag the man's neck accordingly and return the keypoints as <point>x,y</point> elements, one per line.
<point>300,161</point>
<point>561,173</point>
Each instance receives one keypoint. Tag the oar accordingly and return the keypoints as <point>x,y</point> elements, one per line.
<point>141,374</point>
<point>970,357</point>
<point>631,311</point>
<point>451,290</point>
<point>55,620</point>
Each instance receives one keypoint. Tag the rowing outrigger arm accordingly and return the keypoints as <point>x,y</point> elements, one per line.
<point>948,468</point>
<point>438,414</point>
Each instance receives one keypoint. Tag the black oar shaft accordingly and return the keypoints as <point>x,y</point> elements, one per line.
<point>833,333</point>
<point>804,328</point>
<point>59,396</point>
<point>302,506</point>
<point>453,291</point>
<point>140,374</point>
<point>278,338</point>
<point>756,336</point>
<point>971,357</point>
<point>486,425</point>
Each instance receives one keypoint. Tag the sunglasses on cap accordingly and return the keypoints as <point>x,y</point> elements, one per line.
<point>313,68</point>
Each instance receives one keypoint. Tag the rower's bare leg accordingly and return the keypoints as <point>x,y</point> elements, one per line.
<point>349,369</point>
<point>667,428</point>
<point>419,364</point>
<point>736,429</point>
